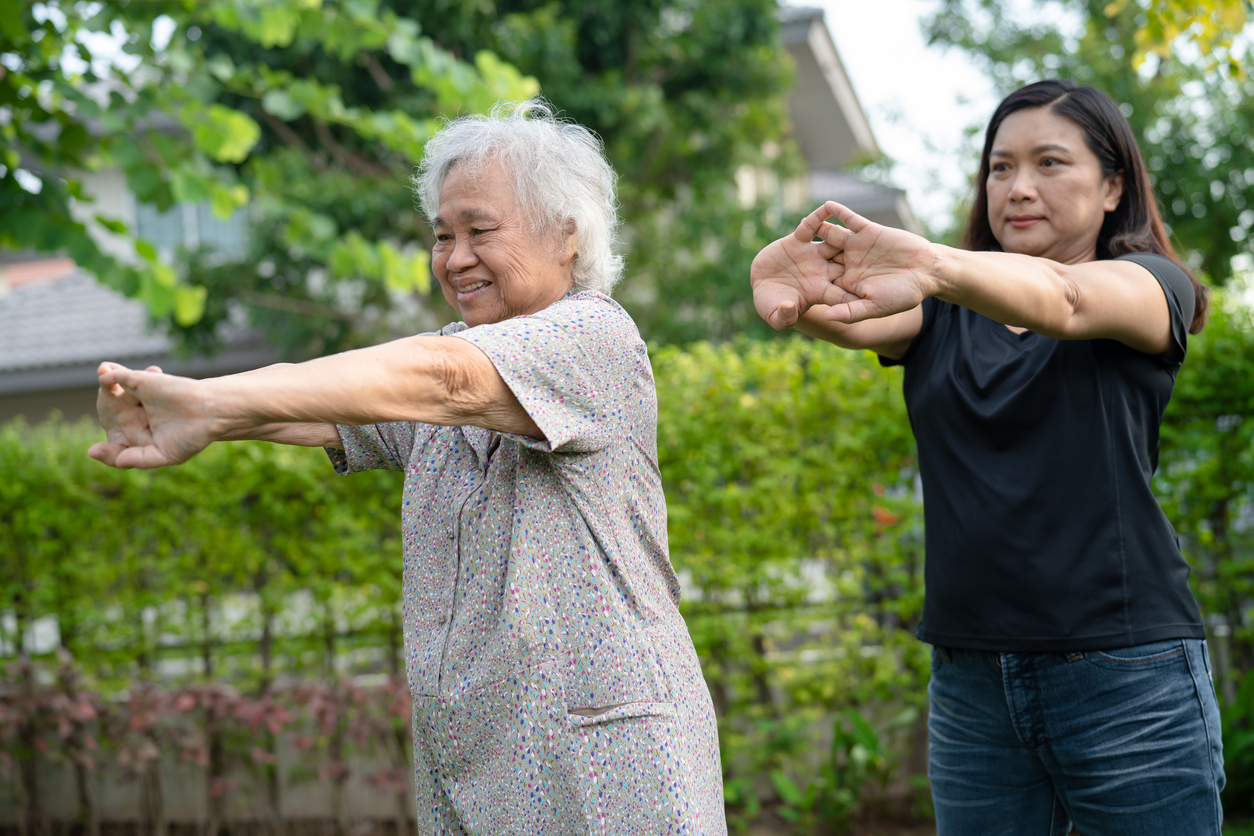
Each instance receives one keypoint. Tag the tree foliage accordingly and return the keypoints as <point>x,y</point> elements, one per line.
<point>308,116</point>
<point>197,107</point>
<point>1193,121</point>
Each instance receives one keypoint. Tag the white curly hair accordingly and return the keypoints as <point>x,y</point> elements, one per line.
<point>559,172</point>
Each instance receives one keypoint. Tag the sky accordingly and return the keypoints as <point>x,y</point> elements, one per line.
<point>919,99</point>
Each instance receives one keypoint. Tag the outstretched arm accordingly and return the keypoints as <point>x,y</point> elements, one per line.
<point>879,274</point>
<point>435,380</point>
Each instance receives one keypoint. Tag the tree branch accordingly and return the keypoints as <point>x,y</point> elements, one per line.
<point>292,138</point>
<point>353,162</point>
<point>377,72</point>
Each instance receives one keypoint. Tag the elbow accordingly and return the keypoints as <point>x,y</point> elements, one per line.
<point>458,383</point>
<point>1067,323</point>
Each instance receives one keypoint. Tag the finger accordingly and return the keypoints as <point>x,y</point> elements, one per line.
<point>154,370</point>
<point>146,457</point>
<point>784,317</point>
<point>835,236</point>
<point>845,215</point>
<point>855,310</point>
<point>106,452</point>
<point>809,226</point>
<point>827,251</point>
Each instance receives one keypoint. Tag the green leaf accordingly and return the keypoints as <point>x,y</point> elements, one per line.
<point>224,134</point>
<point>281,104</point>
<point>188,187</point>
<point>113,225</point>
<point>145,250</point>
<point>11,21</point>
<point>788,790</point>
<point>277,26</point>
<point>225,200</point>
<point>189,304</point>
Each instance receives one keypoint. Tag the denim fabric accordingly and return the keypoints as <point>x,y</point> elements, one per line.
<point>1115,742</point>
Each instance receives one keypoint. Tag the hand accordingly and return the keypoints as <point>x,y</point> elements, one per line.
<point>861,270</point>
<point>151,419</point>
<point>794,273</point>
<point>882,270</point>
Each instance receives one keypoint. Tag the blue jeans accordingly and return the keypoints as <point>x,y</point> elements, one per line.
<point>1115,742</point>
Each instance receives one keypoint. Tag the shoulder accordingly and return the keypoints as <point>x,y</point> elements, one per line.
<point>1173,280</point>
<point>586,310</point>
<point>592,319</point>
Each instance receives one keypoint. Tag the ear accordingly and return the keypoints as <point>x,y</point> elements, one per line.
<point>1114,192</point>
<point>570,242</point>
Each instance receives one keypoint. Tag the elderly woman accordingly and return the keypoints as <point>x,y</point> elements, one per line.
<point>555,687</point>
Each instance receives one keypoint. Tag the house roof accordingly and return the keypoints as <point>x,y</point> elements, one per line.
<point>54,332</point>
<point>828,121</point>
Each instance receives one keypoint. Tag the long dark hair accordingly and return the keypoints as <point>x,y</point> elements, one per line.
<point>1135,226</point>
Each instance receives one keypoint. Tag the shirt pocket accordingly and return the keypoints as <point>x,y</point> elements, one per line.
<point>584,717</point>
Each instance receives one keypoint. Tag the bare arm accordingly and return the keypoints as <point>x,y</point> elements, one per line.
<point>866,273</point>
<point>890,335</point>
<point>1116,300</point>
<point>436,380</point>
<point>296,435</point>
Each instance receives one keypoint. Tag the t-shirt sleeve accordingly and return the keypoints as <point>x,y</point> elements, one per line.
<point>574,368</point>
<point>929,316</point>
<point>1180,299</point>
<point>373,447</point>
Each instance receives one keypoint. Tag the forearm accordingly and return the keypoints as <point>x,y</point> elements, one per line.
<point>296,435</point>
<point>890,336</point>
<point>1020,290</point>
<point>437,380</point>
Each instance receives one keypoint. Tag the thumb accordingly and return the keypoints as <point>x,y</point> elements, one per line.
<point>784,316</point>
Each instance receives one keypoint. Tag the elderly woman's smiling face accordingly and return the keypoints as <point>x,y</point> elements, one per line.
<point>490,265</point>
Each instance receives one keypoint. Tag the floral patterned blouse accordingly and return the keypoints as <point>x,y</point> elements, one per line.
<point>556,689</point>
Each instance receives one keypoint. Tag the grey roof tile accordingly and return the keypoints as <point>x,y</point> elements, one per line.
<point>72,321</point>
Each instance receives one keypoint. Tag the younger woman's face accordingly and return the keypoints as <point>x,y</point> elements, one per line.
<point>1047,195</point>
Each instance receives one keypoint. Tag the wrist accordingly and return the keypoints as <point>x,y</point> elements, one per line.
<point>941,271</point>
<point>225,406</point>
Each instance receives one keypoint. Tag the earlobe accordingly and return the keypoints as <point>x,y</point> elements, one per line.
<point>1114,191</point>
<point>570,242</point>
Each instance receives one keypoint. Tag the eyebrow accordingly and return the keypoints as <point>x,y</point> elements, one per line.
<point>464,215</point>
<point>1040,149</point>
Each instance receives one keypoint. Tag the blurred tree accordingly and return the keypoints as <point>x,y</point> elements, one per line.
<point>176,95</point>
<point>1208,25</point>
<point>311,113</point>
<point>1192,118</point>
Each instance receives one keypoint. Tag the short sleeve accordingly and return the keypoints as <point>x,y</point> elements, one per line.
<point>577,367</point>
<point>373,447</point>
<point>929,316</point>
<point>1181,299</point>
<point>379,446</point>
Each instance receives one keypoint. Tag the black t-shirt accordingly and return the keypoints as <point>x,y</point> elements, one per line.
<point>1036,457</point>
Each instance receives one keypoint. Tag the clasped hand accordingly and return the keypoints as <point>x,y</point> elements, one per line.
<point>150,419</point>
<point>861,270</point>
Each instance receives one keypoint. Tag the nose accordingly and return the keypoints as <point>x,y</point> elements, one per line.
<point>1023,187</point>
<point>463,256</point>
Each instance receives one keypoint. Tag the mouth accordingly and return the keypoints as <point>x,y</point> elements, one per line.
<point>1024,221</point>
<point>470,289</point>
